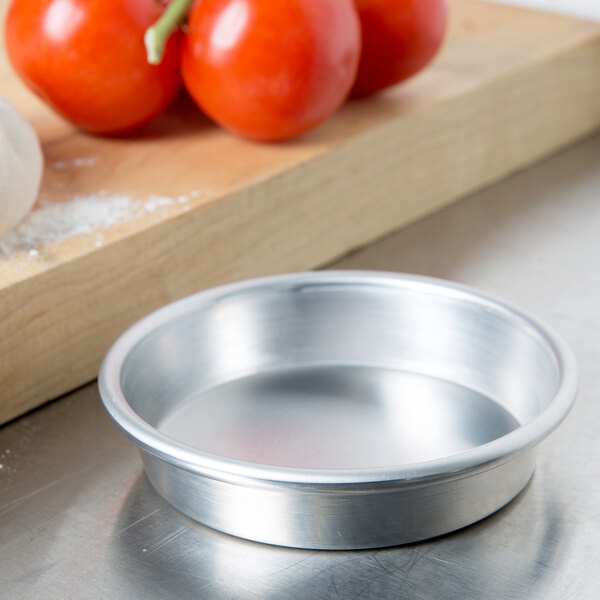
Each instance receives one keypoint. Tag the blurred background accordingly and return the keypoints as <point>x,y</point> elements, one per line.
<point>580,8</point>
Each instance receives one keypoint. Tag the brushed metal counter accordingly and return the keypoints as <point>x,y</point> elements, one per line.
<point>78,520</point>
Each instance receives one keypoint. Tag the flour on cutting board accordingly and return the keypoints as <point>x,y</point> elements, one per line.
<point>53,222</point>
<point>80,161</point>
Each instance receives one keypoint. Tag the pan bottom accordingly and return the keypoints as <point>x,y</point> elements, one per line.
<point>337,417</point>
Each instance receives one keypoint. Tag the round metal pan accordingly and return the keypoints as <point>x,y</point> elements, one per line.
<point>338,409</point>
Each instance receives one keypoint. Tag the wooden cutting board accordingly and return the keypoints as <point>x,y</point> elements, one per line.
<point>200,207</point>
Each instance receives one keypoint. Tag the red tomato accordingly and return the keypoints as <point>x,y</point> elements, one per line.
<point>400,37</point>
<point>270,70</point>
<point>86,58</point>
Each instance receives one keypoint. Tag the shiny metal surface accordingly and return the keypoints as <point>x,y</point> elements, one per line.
<point>338,410</point>
<point>79,520</point>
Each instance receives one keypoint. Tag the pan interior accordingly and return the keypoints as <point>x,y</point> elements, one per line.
<point>337,417</point>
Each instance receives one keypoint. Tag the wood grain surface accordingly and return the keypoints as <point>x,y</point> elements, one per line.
<point>510,87</point>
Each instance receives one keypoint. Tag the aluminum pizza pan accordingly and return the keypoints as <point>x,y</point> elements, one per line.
<point>338,410</point>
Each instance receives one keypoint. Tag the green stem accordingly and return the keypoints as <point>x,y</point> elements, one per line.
<point>156,36</point>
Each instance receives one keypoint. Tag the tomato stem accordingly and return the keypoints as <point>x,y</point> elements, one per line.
<point>157,35</point>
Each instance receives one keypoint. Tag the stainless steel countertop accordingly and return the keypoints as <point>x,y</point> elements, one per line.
<point>78,520</point>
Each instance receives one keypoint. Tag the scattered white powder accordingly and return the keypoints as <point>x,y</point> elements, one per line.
<point>80,215</point>
<point>155,202</point>
<point>83,161</point>
<point>53,222</point>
